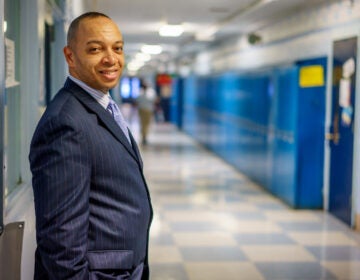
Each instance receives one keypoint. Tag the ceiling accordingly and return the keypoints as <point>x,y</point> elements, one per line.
<point>140,20</point>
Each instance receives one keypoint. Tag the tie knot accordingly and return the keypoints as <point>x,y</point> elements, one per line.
<point>118,117</point>
<point>111,104</point>
<point>112,107</point>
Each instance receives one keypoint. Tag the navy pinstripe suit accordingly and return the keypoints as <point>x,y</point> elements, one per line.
<point>92,204</point>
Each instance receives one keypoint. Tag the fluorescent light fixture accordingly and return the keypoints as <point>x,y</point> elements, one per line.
<point>5,26</point>
<point>207,35</point>
<point>134,65</point>
<point>171,30</point>
<point>143,57</point>
<point>151,49</point>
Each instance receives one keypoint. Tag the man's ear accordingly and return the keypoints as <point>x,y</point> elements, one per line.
<point>69,56</point>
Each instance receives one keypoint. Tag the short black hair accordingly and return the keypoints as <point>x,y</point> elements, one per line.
<point>74,25</point>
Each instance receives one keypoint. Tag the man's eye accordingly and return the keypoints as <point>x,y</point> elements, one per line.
<point>119,49</point>
<point>94,50</point>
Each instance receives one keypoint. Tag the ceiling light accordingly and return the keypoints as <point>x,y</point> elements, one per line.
<point>134,65</point>
<point>151,49</point>
<point>171,30</point>
<point>143,57</point>
<point>207,35</point>
<point>5,26</point>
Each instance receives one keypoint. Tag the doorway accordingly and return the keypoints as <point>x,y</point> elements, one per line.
<point>341,136</point>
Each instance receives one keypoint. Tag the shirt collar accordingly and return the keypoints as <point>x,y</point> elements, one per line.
<point>102,98</point>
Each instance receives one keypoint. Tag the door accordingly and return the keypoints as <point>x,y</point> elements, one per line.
<point>341,136</point>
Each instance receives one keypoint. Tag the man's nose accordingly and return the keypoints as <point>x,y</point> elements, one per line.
<point>109,58</point>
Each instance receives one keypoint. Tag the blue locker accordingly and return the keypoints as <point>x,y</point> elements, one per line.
<point>189,118</point>
<point>266,125</point>
<point>297,149</point>
<point>311,130</point>
<point>176,102</point>
<point>282,148</point>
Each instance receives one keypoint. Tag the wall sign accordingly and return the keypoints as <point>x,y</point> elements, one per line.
<point>10,63</point>
<point>312,76</point>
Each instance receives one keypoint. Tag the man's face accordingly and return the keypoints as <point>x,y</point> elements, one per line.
<point>96,57</point>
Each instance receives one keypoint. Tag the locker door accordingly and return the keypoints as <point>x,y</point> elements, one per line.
<point>341,134</point>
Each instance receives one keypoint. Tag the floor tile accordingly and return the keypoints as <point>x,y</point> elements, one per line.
<point>178,206</point>
<point>212,254</point>
<point>166,271</point>
<point>335,253</point>
<point>187,215</point>
<point>322,238</point>
<point>253,216</point>
<point>292,216</point>
<point>204,239</point>
<point>222,271</point>
<point>250,226</point>
<point>271,205</point>
<point>164,254</point>
<point>295,271</point>
<point>344,270</point>
<point>199,226</point>
<point>263,239</point>
<point>278,253</point>
<point>244,207</point>
<point>162,239</point>
<point>301,226</point>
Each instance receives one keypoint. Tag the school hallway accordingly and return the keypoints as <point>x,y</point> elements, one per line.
<point>213,223</point>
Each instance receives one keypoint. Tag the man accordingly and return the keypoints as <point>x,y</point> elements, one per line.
<point>92,204</point>
<point>146,105</point>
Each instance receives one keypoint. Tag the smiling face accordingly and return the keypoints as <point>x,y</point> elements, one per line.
<point>95,56</point>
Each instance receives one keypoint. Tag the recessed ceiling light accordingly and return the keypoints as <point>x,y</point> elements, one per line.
<point>151,49</point>
<point>143,56</point>
<point>171,30</point>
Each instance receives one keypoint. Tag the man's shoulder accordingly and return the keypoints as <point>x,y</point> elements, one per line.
<point>69,93</point>
<point>63,105</point>
<point>61,101</point>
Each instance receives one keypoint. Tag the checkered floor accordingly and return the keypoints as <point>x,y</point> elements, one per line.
<point>213,223</point>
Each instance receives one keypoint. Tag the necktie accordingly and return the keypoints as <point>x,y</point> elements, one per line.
<point>118,117</point>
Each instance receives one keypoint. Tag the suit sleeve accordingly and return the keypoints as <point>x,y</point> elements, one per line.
<point>60,164</point>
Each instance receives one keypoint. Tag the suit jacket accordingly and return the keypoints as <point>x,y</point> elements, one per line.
<point>92,204</point>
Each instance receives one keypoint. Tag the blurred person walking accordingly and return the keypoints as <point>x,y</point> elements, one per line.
<point>146,107</point>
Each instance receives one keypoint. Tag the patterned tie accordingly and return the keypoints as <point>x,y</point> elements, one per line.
<point>116,113</point>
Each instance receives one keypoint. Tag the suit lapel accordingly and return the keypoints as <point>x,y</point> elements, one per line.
<point>109,122</point>
<point>136,149</point>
